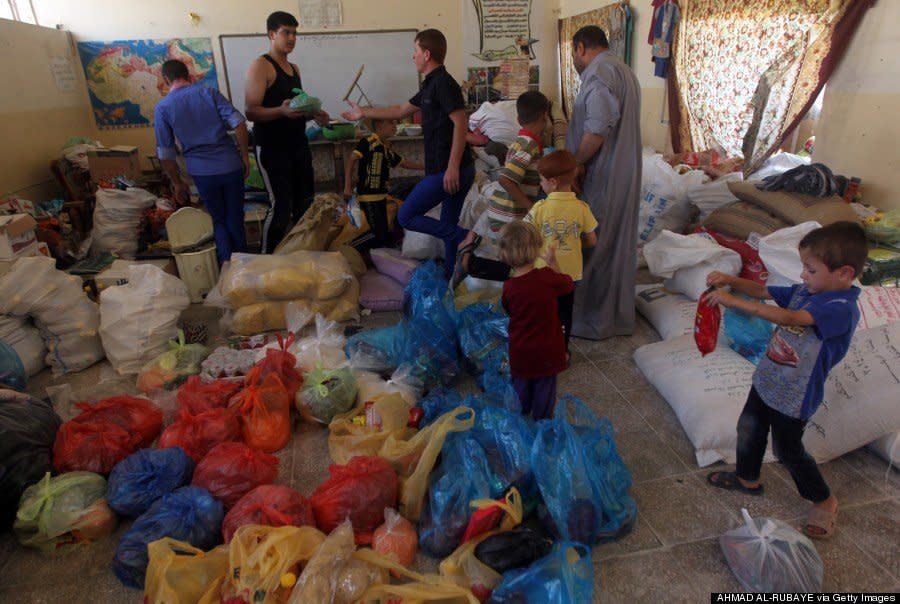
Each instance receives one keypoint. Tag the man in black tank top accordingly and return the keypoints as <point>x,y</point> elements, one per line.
<point>282,149</point>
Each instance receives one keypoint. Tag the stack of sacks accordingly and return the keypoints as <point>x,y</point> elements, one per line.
<point>117,219</point>
<point>382,289</point>
<point>67,319</point>
<point>138,319</point>
<point>26,341</point>
<point>686,260</point>
<point>259,288</point>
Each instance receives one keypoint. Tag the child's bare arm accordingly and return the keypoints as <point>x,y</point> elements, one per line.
<point>744,286</point>
<point>348,175</point>
<point>589,239</point>
<point>515,191</point>
<point>775,314</point>
<point>549,257</point>
<point>412,165</point>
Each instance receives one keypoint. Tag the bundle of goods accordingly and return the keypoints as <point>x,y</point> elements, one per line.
<point>117,220</point>
<point>170,369</point>
<point>264,409</point>
<point>302,101</point>
<point>268,505</point>
<point>139,318</point>
<point>27,430</point>
<point>259,288</point>
<point>143,477</point>
<point>105,433</point>
<point>26,340</point>
<point>231,470</point>
<point>227,363</point>
<point>66,318</point>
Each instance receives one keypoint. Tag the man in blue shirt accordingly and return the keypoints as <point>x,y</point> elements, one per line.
<point>200,119</point>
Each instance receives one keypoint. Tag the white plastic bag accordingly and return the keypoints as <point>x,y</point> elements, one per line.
<point>498,121</point>
<point>323,350</point>
<point>664,202</point>
<point>768,556</point>
<point>780,254</point>
<point>421,246</point>
<point>26,340</point>
<point>686,260</point>
<point>138,319</point>
<point>117,217</point>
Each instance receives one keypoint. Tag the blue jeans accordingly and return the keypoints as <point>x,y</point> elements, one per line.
<point>426,195</point>
<point>223,196</point>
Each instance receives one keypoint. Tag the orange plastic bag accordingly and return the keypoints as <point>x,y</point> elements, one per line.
<point>265,409</point>
<point>396,538</point>
<point>283,363</point>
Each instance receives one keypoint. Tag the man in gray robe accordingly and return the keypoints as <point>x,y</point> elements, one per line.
<point>605,136</point>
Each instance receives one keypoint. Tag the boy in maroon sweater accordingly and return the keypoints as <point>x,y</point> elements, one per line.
<point>537,348</point>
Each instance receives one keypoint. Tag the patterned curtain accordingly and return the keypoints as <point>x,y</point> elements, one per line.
<point>613,20</point>
<point>747,71</point>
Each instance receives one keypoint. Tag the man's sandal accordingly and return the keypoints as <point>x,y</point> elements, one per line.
<point>730,482</point>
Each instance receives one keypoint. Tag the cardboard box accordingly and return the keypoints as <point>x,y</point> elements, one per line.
<point>122,160</point>
<point>16,234</point>
<point>35,249</point>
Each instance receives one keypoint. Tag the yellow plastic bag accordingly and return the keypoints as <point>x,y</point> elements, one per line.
<point>414,458</point>
<point>179,573</point>
<point>260,555</point>
<point>349,437</point>
<point>318,583</point>
<point>422,589</point>
<point>511,504</point>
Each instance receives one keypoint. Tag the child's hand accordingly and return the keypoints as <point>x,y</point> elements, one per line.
<point>720,296</point>
<point>717,279</point>
<point>549,257</point>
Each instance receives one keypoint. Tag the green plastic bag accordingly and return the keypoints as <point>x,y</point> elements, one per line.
<point>304,102</point>
<point>326,393</point>
<point>58,514</point>
<point>173,367</point>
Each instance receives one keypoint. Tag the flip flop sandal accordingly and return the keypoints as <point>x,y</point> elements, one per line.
<point>458,272</point>
<point>820,519</point>
<point>730,482</point>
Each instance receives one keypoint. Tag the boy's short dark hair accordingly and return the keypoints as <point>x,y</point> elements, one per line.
<point>173,69</point>
<point>838,244</point>
<point>434,42</point>
<point>556,164</point>
<point>591,36</point>
<point>530,106</point>
<point>279,18</point>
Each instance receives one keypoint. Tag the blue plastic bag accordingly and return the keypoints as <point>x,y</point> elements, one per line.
<point>188,514</point>
<point>498,390</point>
<point>582,479</point>
<point>377,350</point>
<point>484,337</point>
<point>747,335</point>
<point>564,576</point>
<point>506,438</point>
<point>462,477</point>
<point>137,481</point>
<point>12,371</point>
<point>430,320</point>
<point>438,402</point>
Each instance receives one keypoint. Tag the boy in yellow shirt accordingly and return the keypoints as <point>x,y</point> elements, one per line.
<point>566,224</point>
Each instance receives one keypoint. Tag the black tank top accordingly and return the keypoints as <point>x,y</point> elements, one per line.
<point>283,132</point>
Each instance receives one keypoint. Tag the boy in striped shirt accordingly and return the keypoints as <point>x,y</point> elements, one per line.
<point>521,185</point>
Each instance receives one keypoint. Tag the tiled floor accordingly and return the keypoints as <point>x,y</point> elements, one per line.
<point>673,553</point>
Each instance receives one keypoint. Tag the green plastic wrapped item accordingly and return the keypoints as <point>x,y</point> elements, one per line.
<point>885,228</point>
<point>326,393</point>
<point>61,513</point>
<point>304,102</point>
<point>173,367</point>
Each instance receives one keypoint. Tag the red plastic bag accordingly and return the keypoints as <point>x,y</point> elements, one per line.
<point>752,266</point>
<point>706,324</point>
<point>196,397</point>
<point>198,434</point>
<point>264,408</point>
<point>105,433</point>
<point>359,490</point>
<point>282,363</point>
<point>396,538</point>
<point>269,505</point>
<point>231,470</point>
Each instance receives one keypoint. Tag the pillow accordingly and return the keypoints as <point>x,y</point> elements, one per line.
<point>380,293</point>
<point>392,263</point>
<point>741,218</point>
<point>794,207</point>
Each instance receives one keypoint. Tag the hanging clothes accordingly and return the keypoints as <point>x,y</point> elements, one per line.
<point>665,17</point>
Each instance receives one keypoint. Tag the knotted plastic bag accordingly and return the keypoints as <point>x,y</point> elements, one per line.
<point>396,538</point>
<point>318,583</point>
<point>143,477</point>
<point>706,324</point>
<point>198,434</point>
<point>269,505</point>
<point>326,393</point>
<point>264,407</point>
<point>60,513</point>
<point>188,514</point>
<point>196,397</point>
<point>231,470</point>
<point>170,369</point>
<point>564,576</point>
<point>768,556</point>
<point>301,101</point>
<point>282,363</point>
<point>179,573</point>
<point>506,550</point>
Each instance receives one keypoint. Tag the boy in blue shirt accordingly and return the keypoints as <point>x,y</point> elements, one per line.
<point>815,322</point>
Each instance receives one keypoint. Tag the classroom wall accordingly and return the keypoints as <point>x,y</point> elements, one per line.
<point>654,112</point>
<point>35,117</point>
<point>858,130</point>
<point>132,19</point>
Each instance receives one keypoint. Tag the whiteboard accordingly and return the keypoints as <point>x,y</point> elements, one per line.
<point>328,63</point>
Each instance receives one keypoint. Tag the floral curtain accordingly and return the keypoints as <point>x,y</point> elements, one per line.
<point>614,20</point>
<point>747,71</point>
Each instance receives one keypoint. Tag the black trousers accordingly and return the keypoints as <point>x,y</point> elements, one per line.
<point>565,305</point>
<point>485,268</point>
<point>753,427</point>
<point>289,178</point>
<point>378,234</point>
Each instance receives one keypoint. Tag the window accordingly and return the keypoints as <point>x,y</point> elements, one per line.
<point>18,10</point>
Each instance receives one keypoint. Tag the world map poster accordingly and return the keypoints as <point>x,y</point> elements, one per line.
<point>124,77</point>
